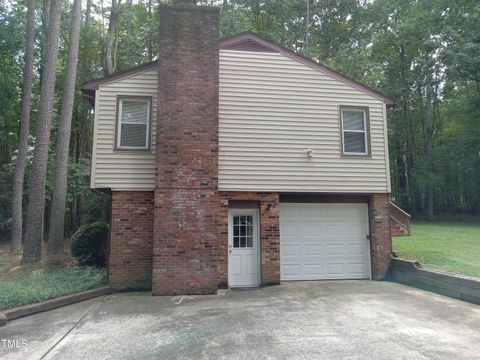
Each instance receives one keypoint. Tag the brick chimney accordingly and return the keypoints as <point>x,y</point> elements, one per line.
<point>185,241</point>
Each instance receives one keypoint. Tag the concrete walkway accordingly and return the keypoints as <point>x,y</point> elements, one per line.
<point>301,320</point>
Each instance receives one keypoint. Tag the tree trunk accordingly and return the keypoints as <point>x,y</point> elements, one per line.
<point>78,208</point>
<point>82,150</point>
<point>409,162</point>
<point>129,26</point>
<point>17,196</point>
<point>85,47</point>
<point>32,251</point>
<point>5,142</point>
<point>111,46</point>
<point>429,149</point>
<point>44,34</point>
<point>150,45</point>
<point>57,217</point>
<point>307,25</point>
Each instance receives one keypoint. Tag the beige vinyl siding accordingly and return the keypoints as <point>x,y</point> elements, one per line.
<point>272,108</point>
<point>122,169</point>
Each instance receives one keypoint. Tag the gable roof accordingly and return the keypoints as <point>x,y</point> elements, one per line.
<point>246,41</point>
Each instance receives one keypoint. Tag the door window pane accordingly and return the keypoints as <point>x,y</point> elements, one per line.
<point>242,231</point>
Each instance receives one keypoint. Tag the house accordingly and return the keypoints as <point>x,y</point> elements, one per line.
<point>238,163</point>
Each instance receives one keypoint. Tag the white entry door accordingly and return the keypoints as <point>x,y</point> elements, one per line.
<point>243,248</point>
<point>324,241</point>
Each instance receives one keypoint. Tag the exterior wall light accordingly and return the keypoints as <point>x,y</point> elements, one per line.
<point>309,152</point>
<point>271,206</point>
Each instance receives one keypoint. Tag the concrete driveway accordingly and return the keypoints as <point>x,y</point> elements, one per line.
<point>301,320</point>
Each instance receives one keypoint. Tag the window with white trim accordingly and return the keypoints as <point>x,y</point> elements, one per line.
<point>133,123</point>
<point>354,131</point>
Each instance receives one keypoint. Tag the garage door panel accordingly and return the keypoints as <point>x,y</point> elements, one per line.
<point>291,229</point>
<point>309,214</point>
<point>357,268</point>
<point>335,269</point>
<point>352,228</point>
<point>292,250</point>
<point>309,229</point>
<point>335,212</point>
<point>293,239</point>
<point>323,241</point>
<point>355,249</point>
<point>292,270</point>
<point>314,269</point>
<point>313,249</point>
<point>334,230</point>
<point>291,213</point>
<point>334,249</point>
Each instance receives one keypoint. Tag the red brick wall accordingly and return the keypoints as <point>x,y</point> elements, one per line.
<point>131,233</point>
<point>185,242</point>
<point>130,253</point>
<point>380,239</point>
<point>269,234</point>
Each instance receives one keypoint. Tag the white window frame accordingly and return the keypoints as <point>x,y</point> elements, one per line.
<point>119,122</point>
<point>365,130</point>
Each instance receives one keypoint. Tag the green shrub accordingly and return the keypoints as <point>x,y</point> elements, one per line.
<point>89,244</point>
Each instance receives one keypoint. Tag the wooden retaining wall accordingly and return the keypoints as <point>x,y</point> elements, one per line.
<point>455,286</point>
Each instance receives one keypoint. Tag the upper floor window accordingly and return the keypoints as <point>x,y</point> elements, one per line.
<point>354,124</point>
<point>133,123</point>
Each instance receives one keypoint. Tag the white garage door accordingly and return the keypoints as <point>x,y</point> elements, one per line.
<point>324,241</point>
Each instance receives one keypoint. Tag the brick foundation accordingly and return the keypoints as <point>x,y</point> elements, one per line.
<point>185,241</point>
<point>131,233</point>
<point>380,239</point>
<point>269,234</point>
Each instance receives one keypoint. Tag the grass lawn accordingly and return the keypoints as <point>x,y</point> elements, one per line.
<point>28,286</point>
<point>450,247</point>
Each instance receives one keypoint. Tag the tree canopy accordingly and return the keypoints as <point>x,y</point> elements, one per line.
<point>424,54</point>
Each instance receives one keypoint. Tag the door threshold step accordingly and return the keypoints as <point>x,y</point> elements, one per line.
<point>245,288</point>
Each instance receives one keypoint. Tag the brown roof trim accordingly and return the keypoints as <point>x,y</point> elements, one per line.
<point>246,41</point>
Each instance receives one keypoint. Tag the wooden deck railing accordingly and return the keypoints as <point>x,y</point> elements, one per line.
<point>401,217</point>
